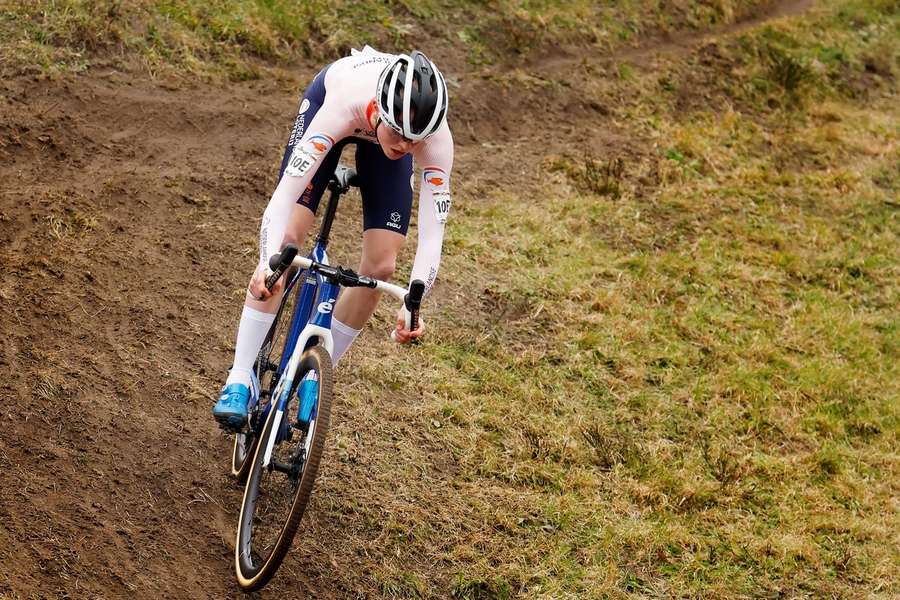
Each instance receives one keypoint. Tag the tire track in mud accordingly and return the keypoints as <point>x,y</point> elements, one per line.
<point>680,43</point>
<point>128,195</point>
<point>539,108</point>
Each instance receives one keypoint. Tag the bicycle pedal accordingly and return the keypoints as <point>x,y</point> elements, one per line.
<point>227,427</point>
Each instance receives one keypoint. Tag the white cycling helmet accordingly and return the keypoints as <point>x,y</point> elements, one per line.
<point>412,96</point>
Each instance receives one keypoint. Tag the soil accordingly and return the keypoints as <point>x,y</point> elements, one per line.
<point>128,216</point>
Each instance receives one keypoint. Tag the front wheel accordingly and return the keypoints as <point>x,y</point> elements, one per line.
<point>280,480</point>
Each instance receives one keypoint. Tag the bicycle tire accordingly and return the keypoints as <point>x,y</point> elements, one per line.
<point>244,446</point>
<point>270,351</point>
<point>254,574</point>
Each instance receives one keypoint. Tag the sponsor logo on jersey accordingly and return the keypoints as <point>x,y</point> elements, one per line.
<point>306,198</point>
<point>297,132</point>
<point>434,176</point>
<point>374,59</point>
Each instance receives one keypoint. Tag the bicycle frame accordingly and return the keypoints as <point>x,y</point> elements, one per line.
<point>310,322</point>
<point>300,330</point>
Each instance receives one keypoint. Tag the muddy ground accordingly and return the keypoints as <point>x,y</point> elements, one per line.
<point>128,218</point>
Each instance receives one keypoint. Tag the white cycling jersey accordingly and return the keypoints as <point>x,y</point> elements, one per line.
<point>346,112</point>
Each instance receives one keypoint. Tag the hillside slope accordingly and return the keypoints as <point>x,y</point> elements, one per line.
<point>663,351</point>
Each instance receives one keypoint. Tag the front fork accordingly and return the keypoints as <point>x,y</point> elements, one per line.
<point>285,384</point>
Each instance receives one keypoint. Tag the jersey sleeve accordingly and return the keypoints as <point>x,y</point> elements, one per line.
<point>324,130</point>
<point>436,159</point>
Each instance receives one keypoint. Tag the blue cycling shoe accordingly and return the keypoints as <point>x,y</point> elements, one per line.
<point>231,409</point>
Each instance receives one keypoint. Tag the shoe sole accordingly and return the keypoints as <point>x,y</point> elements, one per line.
<point>231,423</point>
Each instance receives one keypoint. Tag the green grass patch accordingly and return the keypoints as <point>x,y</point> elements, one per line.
<point>688,387</point>
<point>240,39</point>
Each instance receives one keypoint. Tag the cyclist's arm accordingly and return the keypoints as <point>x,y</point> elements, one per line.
<point>326,128</point>
<point>436,159</point>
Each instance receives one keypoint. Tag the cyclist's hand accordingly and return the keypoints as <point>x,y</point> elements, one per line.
<point>403,335</point>
<point>257,287</point>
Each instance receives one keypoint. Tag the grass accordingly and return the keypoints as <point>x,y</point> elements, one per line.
<point>241,40</point>
<point>695,394</point>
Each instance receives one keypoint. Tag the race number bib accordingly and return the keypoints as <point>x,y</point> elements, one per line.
<point>441,205</point>
<point>299,163</point>
<point>305,155</point>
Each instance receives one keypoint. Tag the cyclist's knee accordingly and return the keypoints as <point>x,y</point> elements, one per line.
<point>298,226</point>
<point>382,268</point>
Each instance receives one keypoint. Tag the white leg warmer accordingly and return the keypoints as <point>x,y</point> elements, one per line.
<point>343,336</point>
<point>251,333</point>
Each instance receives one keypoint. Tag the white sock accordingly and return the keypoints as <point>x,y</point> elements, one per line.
<point>343,335</point>
<point>251,333</point>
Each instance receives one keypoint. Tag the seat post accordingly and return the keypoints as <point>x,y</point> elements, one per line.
<point>330,211</point>
<point>341,181</point>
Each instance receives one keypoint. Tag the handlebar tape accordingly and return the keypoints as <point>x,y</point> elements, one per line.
<point>279,263</point>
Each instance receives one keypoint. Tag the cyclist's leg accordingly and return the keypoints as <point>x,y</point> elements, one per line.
<point>379,258</point>
<point>256,316</point>
<point>261,313</point>
<point>386,187</point>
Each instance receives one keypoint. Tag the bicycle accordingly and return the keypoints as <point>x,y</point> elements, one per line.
<point>291,397</point>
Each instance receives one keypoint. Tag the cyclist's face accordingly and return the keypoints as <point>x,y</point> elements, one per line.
<point>392,143</point>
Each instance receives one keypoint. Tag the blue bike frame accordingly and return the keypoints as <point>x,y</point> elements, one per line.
<point>310,321</point>
<point>306,296</point>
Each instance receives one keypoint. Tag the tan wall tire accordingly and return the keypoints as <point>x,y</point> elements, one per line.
<point>252,576</point>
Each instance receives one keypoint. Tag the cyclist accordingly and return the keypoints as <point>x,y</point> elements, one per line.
<point>394,108</point>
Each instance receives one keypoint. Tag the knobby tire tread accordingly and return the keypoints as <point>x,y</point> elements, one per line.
<point>322,364</point>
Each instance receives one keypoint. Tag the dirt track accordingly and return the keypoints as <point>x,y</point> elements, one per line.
<point>123,215</point>
<point>127,227</point>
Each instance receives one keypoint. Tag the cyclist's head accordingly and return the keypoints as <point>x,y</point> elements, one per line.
<point>412,96</point>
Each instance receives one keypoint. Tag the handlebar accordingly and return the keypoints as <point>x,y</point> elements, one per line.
<point>412,298</point>
<point>413,301</point>
<point>279,263</point>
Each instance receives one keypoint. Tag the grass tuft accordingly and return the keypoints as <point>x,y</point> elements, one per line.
<point>489,588</point>
<point>592,176</point>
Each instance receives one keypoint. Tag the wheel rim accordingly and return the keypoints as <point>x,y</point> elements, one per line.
<point>241,450</point>
<point>272,493</point>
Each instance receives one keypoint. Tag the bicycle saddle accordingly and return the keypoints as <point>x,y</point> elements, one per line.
<point>344,178</point>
